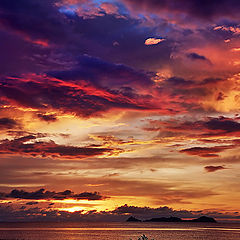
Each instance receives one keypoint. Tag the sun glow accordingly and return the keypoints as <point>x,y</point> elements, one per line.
<point>72,209</point>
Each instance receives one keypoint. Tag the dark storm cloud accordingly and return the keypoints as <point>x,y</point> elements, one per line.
<point>31,203</point>
<point>187,91</point>
<point>20,95</point>
<point>7,123</point>
<point>29,32</point>
<point>219,127</point>
<point>207,82</point>
<point>179,82</point>
<point>63,47</point>
<point>195,56</point>
<point>79,97</point>
<point>49,38</point>
<point>205,128</point>
<point>185,94</point>
<point>104,73</point>
<point>223,124</point>
<point>122,40</point>
<point>214,168</point>
<point>47,149</point>
<point>47,117</point>
<point>191,84</point>
<point>17,56</point>
<point>41,194</point>
<point>206,151</point>
<point>197,9</point>
<point>34,19</point>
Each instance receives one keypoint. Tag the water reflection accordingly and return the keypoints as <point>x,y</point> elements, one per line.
<point>118,231</point>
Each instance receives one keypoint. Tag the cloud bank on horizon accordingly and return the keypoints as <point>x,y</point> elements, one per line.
<point>127,103</point>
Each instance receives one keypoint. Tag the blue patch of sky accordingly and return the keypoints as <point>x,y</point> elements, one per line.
<point>71,9</point>
<point>68,10</point>
<point>103,1</point>
<point>121,7</point>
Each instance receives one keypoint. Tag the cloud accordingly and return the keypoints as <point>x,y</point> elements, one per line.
<point>80,96</point>
<point>225,125</point>
<point>29,146</point>
<point>31,203</point>
<point>120,214</point>
<point>196,9</point>
<point>109,8</point>
<point>153,41</point>
<point>147,212</point>
<point>235,49</point>
<point>112,175</point>
<point>164,211</point>
<point>233,29</point>
<point>7,123</point>
<point>47,46</point>
<point>88,91</point>
<point>214,168</point>
<point>205,128</point>
<point>210,135</point>
<point>100,72</point>
<point>24,17</point>
<point>206,151</point>
<point>220,96</point>
<point>195,56</point>
<point>47,117</point>
<point>188,95</point>
<point>41,194</point>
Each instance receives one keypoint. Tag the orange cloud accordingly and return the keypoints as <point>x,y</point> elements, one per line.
<point>154,41</point>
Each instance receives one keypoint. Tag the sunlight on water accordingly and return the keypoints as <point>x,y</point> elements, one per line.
<point>118,231</point>
<point>104,229</point>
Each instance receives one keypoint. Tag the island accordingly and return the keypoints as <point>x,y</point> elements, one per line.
<point>204,219</point>
<point>133,219</point>
<point>165,219</point>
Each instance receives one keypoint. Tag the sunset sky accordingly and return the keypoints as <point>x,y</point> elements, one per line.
<point>110,108</point>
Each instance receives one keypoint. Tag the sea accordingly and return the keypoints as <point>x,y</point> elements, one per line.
<point>119,231</point>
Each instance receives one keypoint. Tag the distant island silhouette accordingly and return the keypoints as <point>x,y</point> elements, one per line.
<point>133,219</point>
<point>173,219</point>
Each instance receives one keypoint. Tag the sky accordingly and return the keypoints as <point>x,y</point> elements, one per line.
<point>112,108</point>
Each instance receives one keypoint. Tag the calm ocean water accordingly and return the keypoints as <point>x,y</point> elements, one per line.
<point>117,231</point>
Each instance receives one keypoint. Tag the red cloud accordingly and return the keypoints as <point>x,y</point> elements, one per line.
<point>214,168</point>
<point>29,145</point>
<point>79,97</point>
<point>206,151</point>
